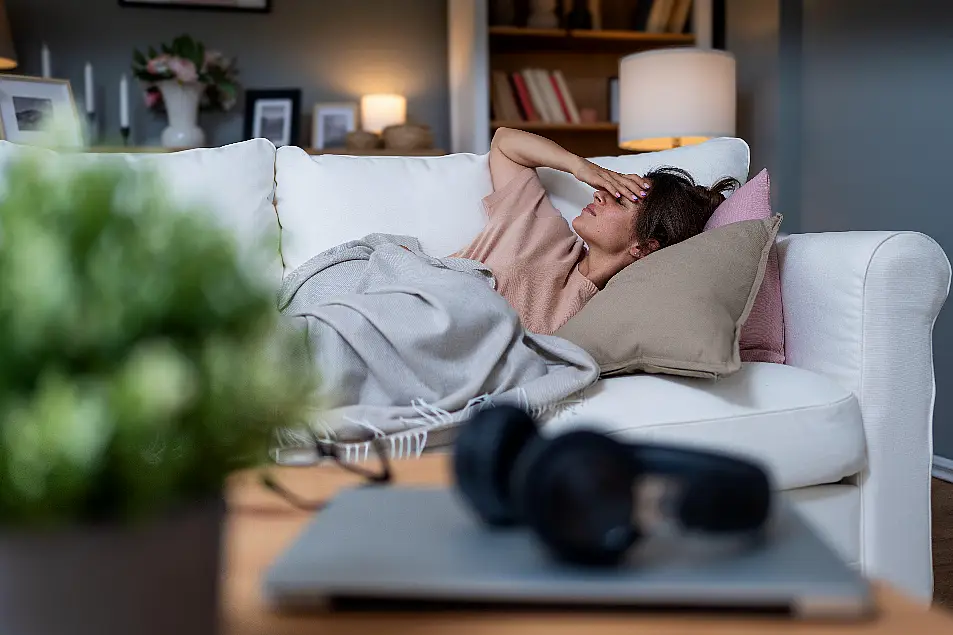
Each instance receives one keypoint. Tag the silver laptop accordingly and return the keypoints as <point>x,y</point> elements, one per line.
<point>394,548</point>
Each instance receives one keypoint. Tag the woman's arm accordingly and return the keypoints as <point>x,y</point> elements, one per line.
<point>514,150</point>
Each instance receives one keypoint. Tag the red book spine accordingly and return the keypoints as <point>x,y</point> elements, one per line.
<point>559,96</point>
<point>525,102</point>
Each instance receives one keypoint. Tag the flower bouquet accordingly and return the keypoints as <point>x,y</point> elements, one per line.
<point>180,79</point>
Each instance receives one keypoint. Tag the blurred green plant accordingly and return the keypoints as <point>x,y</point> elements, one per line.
<point>140,361</point>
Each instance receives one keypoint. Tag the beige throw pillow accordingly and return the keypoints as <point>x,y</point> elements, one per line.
<point>680,310</point>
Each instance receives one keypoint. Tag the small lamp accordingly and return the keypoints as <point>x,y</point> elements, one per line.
<point>380,111</point>
<point>675,97</point>
<point>8,56</point>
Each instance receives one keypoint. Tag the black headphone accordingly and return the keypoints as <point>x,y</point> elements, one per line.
<point>589,498</point>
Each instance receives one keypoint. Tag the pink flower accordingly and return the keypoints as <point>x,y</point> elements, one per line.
<point>183,69</point>
<point>158,65</point>
<point>214,58</point>
<point>153,97</point>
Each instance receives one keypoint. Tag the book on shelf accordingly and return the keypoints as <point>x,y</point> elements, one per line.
<point>536,95</point>
<point>662,16</point>
<point>502,98</point>
<point>565,97</point>
<point>532,94</point>
<point>659,16</point>
<point>528,113</point>
<point>549,95</point>
<point>679,18</point>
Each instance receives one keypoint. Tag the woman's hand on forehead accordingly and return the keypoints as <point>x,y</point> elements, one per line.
<point>629,186</point>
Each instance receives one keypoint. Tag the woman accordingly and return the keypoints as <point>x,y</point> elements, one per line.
<point>542,268</point>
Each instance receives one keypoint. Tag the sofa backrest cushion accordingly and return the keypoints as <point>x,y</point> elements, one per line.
<point>234,183</point>
<point>326,200</point>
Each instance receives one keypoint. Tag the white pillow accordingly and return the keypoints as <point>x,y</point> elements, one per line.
<point>707,162</point>
<point>327,200</point>
<point>235,183</point>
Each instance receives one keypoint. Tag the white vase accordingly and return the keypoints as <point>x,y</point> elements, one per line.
<point>182,105</point>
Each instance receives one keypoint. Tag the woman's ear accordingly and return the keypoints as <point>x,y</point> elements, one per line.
<point>638,251</point>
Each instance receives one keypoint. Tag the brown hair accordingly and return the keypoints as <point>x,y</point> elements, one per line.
<point>676,208</point>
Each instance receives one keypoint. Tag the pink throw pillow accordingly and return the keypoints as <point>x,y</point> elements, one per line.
<point>762,336</point>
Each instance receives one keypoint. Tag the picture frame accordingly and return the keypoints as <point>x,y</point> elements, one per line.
<point>39,111</point>
<point>250,6</point>
<point>274,115</point>
<point>331,123</point>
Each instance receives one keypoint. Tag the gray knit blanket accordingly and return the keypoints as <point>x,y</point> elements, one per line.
<point>407,346</point>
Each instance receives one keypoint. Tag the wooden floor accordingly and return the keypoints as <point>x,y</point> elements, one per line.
<point>943,542</point>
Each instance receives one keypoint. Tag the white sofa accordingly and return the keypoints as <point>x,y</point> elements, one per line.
<point>845,426</point>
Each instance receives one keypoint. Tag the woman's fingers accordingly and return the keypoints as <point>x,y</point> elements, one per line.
<point>638,184</point>
<point>623,185</point>
<point>623,189</point>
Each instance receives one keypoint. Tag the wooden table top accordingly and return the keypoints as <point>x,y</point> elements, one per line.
<point>261,525</point>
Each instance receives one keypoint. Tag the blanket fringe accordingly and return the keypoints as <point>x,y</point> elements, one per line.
<point>409,443</point>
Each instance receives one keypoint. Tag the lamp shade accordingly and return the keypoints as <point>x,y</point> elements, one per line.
<point>8,56</point>
<point>380,111</point>
<point>674,97</point>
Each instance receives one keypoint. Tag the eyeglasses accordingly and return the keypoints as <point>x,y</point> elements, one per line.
<point>326,450</point>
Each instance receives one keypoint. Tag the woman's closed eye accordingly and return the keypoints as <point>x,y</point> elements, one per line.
<point>627,204</point>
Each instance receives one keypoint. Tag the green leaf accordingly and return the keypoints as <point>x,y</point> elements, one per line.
<point>138,58</point>
<point>199,56</point>
<point>152,53</point>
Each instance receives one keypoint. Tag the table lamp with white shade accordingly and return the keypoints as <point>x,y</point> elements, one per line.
<point>675,97</point>
<point>8,56</point>
<point>381,111</point>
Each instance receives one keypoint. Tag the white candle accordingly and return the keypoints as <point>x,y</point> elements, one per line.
<point>123,102</point>
<point>90,99</point>
<point>45,58</point>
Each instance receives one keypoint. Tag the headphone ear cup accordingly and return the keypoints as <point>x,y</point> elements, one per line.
<point>484,454</point>
<point>575,492</point>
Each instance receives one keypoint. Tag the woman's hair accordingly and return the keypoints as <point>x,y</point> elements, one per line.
<point>676,208</point>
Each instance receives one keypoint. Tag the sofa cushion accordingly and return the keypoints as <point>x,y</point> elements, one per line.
<point>804,426</point>
<point>707,163</point>
<point>327,200</point>
<point>762,336</point>
<point>679,310</point>
<point>234,183</point>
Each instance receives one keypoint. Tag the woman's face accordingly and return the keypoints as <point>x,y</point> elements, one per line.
<point>608,224</point>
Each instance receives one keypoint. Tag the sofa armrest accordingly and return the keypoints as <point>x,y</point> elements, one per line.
<point>860,307</point>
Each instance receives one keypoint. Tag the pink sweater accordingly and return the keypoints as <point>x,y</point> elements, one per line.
<point>533,254</point>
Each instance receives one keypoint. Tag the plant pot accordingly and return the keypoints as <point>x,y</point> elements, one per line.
<point>158,578</point>
<point>182,106</point>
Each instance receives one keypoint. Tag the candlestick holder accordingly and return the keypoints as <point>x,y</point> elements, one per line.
<point>125,130</point>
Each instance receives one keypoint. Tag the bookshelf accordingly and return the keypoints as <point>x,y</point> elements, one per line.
<point>586,57</point>
<point>580,62</point>
<point>543,126</point>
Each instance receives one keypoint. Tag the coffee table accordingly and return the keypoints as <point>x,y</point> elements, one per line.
<point>261,525</point>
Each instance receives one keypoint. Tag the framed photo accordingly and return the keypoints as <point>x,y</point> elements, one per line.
<point>274,115</point>
<point>614,99</point>
<point>331,124</point>
<point>261,6</point>
<point>36,111</point>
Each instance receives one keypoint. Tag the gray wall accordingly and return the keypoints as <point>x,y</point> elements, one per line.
<point>857,125</point>
<point>877,100</point>
<point>333,51</point>
<point>752,35</point>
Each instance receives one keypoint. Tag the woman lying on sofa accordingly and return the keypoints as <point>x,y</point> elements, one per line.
<point>541,267</point>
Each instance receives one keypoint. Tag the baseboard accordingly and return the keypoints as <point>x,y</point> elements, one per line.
<point>943,468</point>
